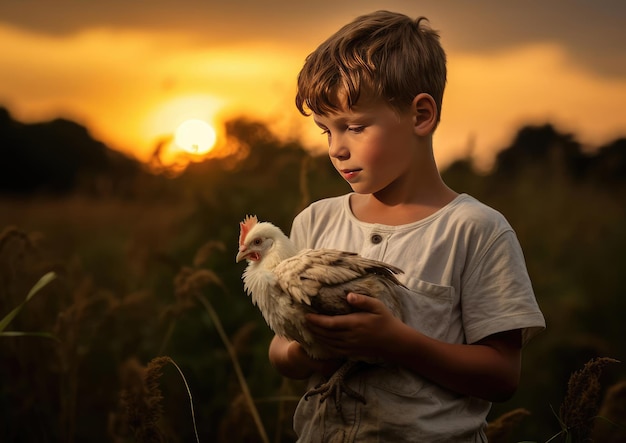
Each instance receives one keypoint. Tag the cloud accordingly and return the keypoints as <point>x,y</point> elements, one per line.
<point>533,84</point>
<point>126,69</point>
<point>591,32</point>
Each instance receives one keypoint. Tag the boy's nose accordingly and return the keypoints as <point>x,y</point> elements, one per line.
<point>337,148</point>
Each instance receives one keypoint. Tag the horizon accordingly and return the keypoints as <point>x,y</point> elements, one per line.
<point>132,78</point>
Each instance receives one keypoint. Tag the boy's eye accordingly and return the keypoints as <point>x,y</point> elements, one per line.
<point>356,129</point>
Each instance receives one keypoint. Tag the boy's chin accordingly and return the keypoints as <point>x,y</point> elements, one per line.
<point>361,189</point>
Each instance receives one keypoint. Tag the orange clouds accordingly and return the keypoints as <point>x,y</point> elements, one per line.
<point>491,96</point>
<point>133,88</point>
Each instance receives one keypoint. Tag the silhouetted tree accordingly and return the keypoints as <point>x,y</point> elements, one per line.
<point>57,157</point>
<point>542,147</point>
<point>608,166</point>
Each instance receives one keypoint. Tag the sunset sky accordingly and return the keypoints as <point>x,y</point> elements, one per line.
<point>133,70</point>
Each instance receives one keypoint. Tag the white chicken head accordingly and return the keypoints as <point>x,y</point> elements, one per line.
<point>257,240</point>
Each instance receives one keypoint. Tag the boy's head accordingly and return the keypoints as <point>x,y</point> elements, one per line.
<point>383,54</point>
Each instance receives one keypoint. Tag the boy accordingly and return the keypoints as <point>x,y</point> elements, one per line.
<point>375,89</point>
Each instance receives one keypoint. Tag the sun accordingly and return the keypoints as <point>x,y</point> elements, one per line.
<point>195,136</point>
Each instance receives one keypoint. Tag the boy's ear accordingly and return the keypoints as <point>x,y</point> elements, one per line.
<point>425,114</point>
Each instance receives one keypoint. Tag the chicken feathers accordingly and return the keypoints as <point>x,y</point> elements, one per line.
<point>285,285</point>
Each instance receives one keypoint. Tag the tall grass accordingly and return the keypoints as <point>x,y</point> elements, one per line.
<point>578,413</point>
<point>87,314</point>
<point>189,284</point>
<point>132,285</point>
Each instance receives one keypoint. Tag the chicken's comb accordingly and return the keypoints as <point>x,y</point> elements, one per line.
<point>248,223</point>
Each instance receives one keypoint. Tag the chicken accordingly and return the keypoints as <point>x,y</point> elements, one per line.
<point>286,284</point>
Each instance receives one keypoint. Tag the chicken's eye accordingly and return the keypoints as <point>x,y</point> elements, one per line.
<point>257,241</point>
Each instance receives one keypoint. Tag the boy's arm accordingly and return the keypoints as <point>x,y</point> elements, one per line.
<point>489,369</point>
<point>290,360</point>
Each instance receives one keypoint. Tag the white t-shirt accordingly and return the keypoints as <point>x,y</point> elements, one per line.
<point>467,280</point>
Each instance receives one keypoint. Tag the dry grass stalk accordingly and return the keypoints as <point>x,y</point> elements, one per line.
<point>237,423</point>
<point>206,250</point>
<point>190,281</point>
<point>140,400</point>
<point>238,371</point>
<point>12,233</point>
<point>242,337</point>
<point>141,409</point>
<point>18,259</point>
<point>612,427</point>
<point>581,404</point>
<point>188,285</point>
<point>500,429</point>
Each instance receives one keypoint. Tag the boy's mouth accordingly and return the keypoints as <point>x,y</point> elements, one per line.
<point>349,174</point>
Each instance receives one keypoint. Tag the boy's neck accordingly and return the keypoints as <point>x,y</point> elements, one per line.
<point>401,210</point>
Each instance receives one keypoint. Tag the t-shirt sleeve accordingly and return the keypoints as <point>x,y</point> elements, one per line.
<point>498,295</point>
<point>300,230</point>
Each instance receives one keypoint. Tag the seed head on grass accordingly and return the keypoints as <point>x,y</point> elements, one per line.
<point>13,234</point>
<point>582,401</point>
<point>611,428</point>
<point>242,337</point>
<point>237,424</point>
<point>189,285</point>
<point>189,282</point>
<point>500,429</point>
<point>206,251</point>
<point>141,400</point>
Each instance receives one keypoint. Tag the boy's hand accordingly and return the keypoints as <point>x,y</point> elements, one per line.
<point>360,334</point>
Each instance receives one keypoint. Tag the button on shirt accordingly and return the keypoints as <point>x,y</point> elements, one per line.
<point>376,238</point>
<point>375,242</point>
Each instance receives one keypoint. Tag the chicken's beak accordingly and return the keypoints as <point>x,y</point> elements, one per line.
<point>241,255</point>
<point>244,253</point>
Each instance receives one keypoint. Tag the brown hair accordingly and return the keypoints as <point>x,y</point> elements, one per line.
<point>384,53</point>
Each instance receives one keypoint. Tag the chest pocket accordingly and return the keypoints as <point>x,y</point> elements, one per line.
<point>428,307</point>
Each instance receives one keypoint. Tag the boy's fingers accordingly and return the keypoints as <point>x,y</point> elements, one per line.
<point>363,302</point>
<point>327,322</point>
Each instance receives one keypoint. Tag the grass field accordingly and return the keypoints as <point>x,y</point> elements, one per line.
<point>150,280</point>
